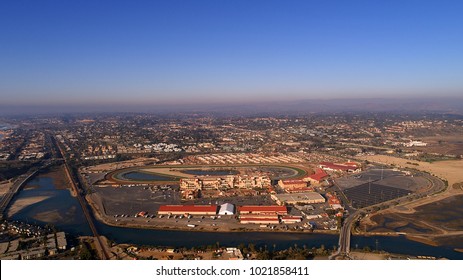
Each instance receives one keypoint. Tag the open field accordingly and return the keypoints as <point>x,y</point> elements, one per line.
<point>106,167</point>
<point>450,170</point>
<point>446,145</point>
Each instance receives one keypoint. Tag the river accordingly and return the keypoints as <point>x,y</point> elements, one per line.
<point>61,209</point>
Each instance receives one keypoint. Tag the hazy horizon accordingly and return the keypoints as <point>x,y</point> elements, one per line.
<point>156,53</point>
<point>451,105</point>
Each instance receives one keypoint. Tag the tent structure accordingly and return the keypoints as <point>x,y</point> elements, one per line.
<point>227,209</point>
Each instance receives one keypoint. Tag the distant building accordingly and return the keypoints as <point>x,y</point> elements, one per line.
<point>33,254</point>
<point>345,167</point>
<point>187,210</point>
<point>415,144</point>
<point>61,240</point>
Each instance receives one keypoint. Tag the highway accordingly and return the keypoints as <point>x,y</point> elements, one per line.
<point>17,185</point>
<point>344,238</point>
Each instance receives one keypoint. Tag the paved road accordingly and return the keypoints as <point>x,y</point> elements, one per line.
<point>344,237</point>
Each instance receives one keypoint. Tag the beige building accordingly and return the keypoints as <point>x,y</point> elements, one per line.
<point>289,185</point>
<point>223,183</point>
<point>293,198</point>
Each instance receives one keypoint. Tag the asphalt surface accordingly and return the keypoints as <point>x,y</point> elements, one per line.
<point>435,185</point>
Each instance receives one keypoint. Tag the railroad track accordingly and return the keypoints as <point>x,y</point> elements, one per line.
<point>84,206</point>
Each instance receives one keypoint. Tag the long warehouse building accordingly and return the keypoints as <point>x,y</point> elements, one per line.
<point>293,198</point>
<point>187,210</point>
<point>263,209</point>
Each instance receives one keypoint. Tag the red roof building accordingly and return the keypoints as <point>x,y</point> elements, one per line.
<point>259,216</point>
<point>245,220</point>
<point>263,209</point>
<point>318,176</point>
<point>188,209</point>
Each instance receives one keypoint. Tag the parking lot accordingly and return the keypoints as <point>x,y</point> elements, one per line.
<point>122,204</point>
<point>370,193</point>
<point>376,185</point>
<point>131,200</point>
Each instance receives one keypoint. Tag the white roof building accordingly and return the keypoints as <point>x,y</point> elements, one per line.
<point>227,209</point>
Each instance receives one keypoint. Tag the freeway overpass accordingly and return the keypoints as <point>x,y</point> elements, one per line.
<point>16,187</point>
<point>344,238</point>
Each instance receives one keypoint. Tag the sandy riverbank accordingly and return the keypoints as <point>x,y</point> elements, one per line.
<point>22,203</point>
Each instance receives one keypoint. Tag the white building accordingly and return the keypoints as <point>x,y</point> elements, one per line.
<point>415,144</point>
<point>227,209</point>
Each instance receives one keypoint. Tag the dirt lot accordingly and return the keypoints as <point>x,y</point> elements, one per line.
<point>4,187</point>
<point>447,145</point>
<point>451,170</point>
<point>121,164</point>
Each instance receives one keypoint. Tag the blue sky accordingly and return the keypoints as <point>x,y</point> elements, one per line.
<point>61,52</point>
